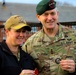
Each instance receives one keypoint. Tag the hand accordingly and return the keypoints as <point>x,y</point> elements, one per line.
<point>27,72</point>
<point>68,65</point>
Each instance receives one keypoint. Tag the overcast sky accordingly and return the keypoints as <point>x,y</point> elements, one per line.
<point>73,2</point>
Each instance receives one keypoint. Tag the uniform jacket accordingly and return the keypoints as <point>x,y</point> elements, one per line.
<point>9,65</point>
<point>48,51</point>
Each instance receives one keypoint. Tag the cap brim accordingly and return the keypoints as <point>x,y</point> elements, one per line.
<point>19,26</point>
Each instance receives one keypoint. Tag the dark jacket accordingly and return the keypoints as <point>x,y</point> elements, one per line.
<point>9,65</point>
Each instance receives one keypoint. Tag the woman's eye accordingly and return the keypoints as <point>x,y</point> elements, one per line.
<point>23,31</point>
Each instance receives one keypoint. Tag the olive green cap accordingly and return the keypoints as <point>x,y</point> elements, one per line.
<point>16,22</point>
<point>45,5</point>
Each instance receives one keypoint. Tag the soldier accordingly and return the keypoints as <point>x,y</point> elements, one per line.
<point>13,60</point>
<point>53,47</point>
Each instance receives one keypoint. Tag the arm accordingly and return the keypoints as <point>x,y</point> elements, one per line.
<point>68,65</point>
<point>27,72</point>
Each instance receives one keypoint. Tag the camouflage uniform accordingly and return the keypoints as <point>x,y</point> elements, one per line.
<point>47,51</point>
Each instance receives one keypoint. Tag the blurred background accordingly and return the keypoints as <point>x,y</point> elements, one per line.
<point>26,8</point>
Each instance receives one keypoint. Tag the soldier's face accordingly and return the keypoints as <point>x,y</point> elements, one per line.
<point>49,19</point>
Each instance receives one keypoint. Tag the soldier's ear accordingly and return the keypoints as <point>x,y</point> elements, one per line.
<point>38,17</point>
<point>57,12</point>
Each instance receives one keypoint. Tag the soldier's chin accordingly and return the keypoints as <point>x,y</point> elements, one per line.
<point>50,27</point>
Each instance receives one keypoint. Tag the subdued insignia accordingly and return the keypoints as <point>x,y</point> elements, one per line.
<point>51,51</point>
<point>57,60</point>
<point>21,20</point>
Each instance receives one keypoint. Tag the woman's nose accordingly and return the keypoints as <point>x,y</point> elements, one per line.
<point>22,33</point>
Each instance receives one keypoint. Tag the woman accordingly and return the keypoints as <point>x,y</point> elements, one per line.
<point>13,60</point>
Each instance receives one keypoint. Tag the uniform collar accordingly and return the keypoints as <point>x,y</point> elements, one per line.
<point>59,35</point>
